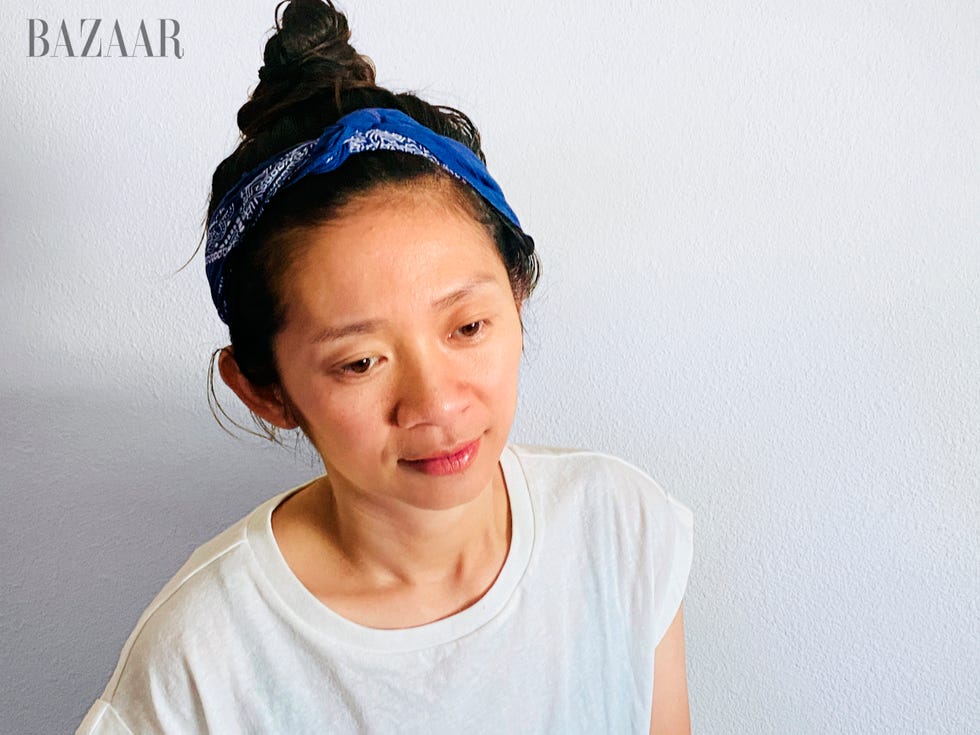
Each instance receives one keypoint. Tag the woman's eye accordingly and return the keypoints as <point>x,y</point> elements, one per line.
<point>359,367</point>
<point>471,330</point>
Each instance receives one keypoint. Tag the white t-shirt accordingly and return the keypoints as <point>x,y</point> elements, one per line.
<point>563,642</point>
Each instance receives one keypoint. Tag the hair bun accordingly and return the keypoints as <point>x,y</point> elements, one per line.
<point>310,54</point>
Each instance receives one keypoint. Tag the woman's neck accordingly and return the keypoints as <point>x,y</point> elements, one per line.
<point>393,566</point>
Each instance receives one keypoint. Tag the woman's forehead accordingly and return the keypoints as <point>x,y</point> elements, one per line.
<point>394,252</point>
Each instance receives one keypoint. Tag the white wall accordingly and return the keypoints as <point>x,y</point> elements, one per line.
<point>759,227</point>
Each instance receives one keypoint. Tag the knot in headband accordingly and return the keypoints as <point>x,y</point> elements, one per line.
<point>370,129</point>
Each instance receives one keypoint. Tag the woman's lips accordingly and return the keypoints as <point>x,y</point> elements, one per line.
<point>445,464</point>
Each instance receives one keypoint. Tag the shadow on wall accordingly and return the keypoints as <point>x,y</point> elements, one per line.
<point>105,497</point>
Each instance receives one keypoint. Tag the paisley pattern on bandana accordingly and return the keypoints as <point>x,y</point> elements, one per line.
<point>385,140</point>
<point>231,220</point>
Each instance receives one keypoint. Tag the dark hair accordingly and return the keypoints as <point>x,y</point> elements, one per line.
<point>312,77</point>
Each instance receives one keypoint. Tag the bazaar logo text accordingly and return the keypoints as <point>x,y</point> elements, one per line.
<point>102,38</point>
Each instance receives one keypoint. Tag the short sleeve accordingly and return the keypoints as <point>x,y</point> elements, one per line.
<point>102,719</point>
<point>674,549</point>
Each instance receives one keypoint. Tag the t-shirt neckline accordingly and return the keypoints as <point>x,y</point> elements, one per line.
<point>320,620</point>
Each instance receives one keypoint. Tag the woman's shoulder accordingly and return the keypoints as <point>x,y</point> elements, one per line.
<point>185,621</point>
<point>190,615</point>
<point>593,485</point>
<point>565,468</point>
<point>610,515</point>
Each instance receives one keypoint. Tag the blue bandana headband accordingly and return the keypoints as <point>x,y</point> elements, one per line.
<point>371,129</point>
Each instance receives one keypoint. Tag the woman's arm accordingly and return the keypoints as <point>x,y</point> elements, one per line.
<point>670,715</point>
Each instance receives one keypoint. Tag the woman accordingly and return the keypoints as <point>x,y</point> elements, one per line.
<point>434,579</point>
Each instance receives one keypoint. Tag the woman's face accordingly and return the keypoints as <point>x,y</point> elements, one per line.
<point>401,349</point>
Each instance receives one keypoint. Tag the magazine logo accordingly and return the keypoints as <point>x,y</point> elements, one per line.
<point>100,38</point>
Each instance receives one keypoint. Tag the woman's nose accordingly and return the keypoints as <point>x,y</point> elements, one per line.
<point>430,390</point>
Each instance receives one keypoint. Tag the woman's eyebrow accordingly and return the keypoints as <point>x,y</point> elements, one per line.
<point>331,333</point>
<point>458,294</point>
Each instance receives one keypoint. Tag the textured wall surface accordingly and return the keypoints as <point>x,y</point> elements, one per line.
<point>760,226</point>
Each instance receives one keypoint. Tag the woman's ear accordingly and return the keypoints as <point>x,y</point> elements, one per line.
<point>266,402</point>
